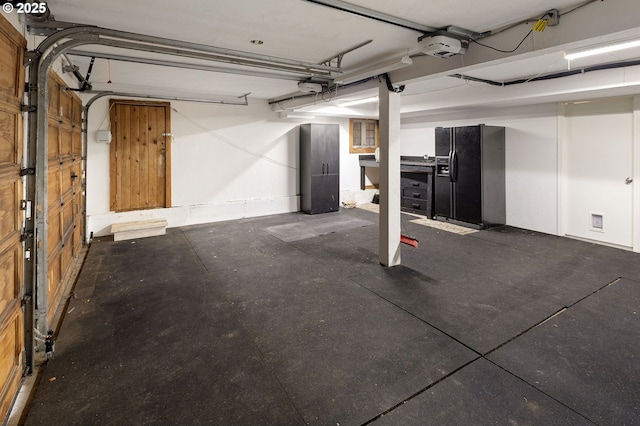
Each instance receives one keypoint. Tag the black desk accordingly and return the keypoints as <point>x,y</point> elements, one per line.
<point>416,179</point>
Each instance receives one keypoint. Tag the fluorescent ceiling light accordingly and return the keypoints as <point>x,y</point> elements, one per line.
<point>359,102</point>
<point>297,115</point>
<point>376,69</point>
<point>601,50</point>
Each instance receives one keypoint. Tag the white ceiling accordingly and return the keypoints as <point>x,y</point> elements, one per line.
<point>306,31</point>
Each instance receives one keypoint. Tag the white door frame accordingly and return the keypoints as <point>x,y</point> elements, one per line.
<point>636,174</point>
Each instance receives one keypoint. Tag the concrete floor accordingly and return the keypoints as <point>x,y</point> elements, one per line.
<point>291,320</point>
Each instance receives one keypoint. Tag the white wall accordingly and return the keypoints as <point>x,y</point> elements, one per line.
<point>417,141</point>
<point>531,158</point>
<point>228,162</point>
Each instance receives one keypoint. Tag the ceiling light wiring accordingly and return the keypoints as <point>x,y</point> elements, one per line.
<point>504,51</point>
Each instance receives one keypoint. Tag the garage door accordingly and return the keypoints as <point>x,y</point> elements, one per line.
<point>12,46</point>
<point>64,191</point>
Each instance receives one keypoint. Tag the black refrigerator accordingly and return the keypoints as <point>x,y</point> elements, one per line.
<point>469,183</point>
<point>319,168</point>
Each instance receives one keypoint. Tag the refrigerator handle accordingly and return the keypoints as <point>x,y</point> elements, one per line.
<point>453,166</point>
<point>323,168</point>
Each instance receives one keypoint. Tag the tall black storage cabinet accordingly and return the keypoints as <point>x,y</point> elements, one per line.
<point>319,168</point>
<point>470,175</point>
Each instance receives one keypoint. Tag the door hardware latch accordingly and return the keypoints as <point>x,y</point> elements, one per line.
<point>26,235</point>
<point>628,180</point>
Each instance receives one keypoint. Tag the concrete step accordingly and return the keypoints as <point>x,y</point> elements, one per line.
<point>138,229</point>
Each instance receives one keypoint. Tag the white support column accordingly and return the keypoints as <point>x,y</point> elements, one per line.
<point>389,243</point>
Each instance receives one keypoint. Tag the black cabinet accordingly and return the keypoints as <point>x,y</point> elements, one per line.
<point>470,175</point>
<point>417,192</point>
<point>319,168</point>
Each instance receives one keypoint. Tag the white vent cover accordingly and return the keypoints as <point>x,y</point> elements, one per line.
<point>597,222</point>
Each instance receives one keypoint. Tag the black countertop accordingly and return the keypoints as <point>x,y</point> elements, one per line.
<point>406,162</point>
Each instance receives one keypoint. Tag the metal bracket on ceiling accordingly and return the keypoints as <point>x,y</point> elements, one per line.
<point>338,57</point>
<point>374,14</point>
<point>246,100</point>
<point>46,25</point>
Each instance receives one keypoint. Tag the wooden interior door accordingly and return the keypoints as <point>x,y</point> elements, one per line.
<point>140,155</point>
<point>12,46</point>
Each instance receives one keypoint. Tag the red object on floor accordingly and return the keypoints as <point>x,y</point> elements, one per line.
<point>409,241</point>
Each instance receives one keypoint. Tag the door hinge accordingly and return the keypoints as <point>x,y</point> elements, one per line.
<point>28,108</point>
<point>28,171</point>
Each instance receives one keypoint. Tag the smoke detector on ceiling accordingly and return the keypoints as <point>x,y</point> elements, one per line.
<point>443,44</point>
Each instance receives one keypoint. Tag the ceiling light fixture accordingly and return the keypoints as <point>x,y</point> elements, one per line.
<point>296,115</point>
<point>373,70</point>
<point>359,102</point>
<point>601,50</point>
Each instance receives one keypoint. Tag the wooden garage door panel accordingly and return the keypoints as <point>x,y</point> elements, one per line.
<point>9,199</point>
<point>54,97</point>
<point>10,133</point>
<point>9,63</point>
<point>54,274</point>
<point>10,358</point>
<point>65,142</point>
<point>55,283</point>
<point>76,172</point>
<point>66,109</point>
<point>53,186</point>
<point>77,240</point>
<point>10,273</point>
<point>66,182</point>
<point>77,144</point>
<point>67,257</point>
<point>54,142</point>
<point>76,114</point>
<point>67,216</point>
<point>54,236</point>
<point>12,46</point>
